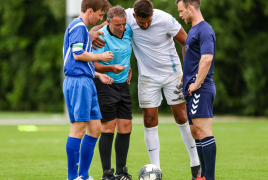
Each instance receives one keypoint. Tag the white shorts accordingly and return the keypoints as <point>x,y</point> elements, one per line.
<point>150,90</point>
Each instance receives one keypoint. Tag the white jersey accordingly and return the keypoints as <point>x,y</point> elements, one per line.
<point>154,47</point>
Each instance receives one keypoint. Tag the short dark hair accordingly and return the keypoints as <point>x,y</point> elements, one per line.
<point>96,5</point>
<point>116,11</point>
<point>143,8</point>
<point>195,3</point>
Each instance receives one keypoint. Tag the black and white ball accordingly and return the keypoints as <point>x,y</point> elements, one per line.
<point>150,172</point>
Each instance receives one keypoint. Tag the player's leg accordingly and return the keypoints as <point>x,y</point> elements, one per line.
<point>150,97</point>
<point>88,146</point>
<point>199,148</point>
<point>105,147</point>
<point>180,114</point>
<point>203,127</point>
<point>92,111</point>
<point>73,147</point>
<point>108,97</point>
<point>124,127</point>
<point>77,127</point>
<point>201,113</point>
<point>150,117</point>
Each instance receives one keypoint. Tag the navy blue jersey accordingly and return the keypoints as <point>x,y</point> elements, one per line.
<point>201,40</point>
<point>77,41</point>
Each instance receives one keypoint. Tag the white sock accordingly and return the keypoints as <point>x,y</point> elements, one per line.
<point>189,143</point>
<point>152,144</point>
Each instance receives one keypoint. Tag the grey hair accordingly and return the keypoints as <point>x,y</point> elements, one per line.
<point>116,11</point>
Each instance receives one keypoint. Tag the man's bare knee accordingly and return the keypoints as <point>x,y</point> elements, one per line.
<point>77,133</point>
<point>78,129</point>
<point>203,127</point>
<point>181,120</point>
<point>180,117</point>
<point>179,112</point>
<point>193,132</point>
<point>108,127</point>
<point>150,121</point>
<point>150,117</point>
<point>124,126</point>
<point>94,132</point>
<point>94,128</point>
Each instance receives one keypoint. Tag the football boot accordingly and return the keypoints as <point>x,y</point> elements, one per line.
<point>200,178</point>
<point>196,170</point>
<point>124,175</point>
<point>108,174</point>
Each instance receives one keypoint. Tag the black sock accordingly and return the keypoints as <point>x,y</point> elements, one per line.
<point>105,148</point>
<point>121,150</point>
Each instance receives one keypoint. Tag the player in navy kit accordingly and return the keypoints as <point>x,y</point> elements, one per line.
<point>79,89</point>
<point>198,86</point>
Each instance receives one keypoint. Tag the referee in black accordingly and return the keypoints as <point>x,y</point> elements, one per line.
<point>114,100</point>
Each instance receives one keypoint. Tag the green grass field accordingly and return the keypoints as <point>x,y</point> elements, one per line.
<point>242,152</point>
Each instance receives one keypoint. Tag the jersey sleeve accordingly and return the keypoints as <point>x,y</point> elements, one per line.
<point>207,42</point>
<point>129,15</point>
<point>129,30</point>
<point>78,40</point>
<point>173,26</point>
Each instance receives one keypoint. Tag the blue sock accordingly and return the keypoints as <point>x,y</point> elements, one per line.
<point>200,155</point>
<point>87,151</point>
<point>209,153</point>
<point>72,150</point>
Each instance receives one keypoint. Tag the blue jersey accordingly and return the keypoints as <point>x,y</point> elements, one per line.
<point>77,41</point>
<point>121,49</point>
<point>201,40</point>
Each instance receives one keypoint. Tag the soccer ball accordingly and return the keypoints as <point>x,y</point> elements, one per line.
<point>150,172</point>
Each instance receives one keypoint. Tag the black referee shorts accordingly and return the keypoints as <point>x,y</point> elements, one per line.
<point>114,100</point>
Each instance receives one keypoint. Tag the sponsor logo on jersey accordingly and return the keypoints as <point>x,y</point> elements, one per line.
<point>187,47</point>
<point>173,20</point>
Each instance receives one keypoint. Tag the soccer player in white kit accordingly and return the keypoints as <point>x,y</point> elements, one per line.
<point>159,68</point>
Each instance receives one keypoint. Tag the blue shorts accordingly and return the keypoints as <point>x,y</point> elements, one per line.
<point>81,98</point>
<point>200,104</point>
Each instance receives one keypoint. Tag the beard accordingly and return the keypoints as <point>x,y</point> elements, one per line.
<point>143,28</point>
<point>188,20</point>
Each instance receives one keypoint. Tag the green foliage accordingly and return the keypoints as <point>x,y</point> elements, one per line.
<point>30,53</point>
<point>31,34</point>
<point>240,65</point>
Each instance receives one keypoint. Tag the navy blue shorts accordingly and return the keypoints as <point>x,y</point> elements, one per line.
<point>200,104</point>
<point>81,98</point>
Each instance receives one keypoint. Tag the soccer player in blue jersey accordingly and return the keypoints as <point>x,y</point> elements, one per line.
<point>115,101</point>
<point>79,89</point>
<point>198,86</point>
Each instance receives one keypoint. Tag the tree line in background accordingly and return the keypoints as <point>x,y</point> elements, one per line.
<point>31,38</point>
